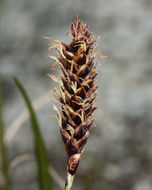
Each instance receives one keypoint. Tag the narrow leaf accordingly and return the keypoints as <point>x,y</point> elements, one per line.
<point>3,151</point>
<point>40,150</point>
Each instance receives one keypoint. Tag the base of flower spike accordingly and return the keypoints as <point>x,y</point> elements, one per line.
<point>69,181</point>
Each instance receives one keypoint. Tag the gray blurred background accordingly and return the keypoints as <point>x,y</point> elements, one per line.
<point>120,143</point>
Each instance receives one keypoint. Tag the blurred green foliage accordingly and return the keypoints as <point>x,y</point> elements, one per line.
<point>3,152</point>
<point>40,150</point>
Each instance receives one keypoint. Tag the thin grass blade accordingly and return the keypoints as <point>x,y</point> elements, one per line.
<point>40,150</point>
<point>3,151</point>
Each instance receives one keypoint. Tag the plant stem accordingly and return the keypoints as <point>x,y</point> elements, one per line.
<point>69,181</point>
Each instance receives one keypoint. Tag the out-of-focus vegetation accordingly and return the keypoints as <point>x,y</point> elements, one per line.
<point>40,150</point>
<point>3,151</point>
<point>44,179</point>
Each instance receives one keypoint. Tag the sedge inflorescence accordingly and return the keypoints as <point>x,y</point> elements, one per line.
<point>77,90</point>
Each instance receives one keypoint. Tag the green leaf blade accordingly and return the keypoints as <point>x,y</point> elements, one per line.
<point>40,150</point>
<point>3,151</point>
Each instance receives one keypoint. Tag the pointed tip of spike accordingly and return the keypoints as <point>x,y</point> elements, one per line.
<point>78,18</point>
<point>73,29</point>
<point>72,21</point>
<point>78,23</point>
